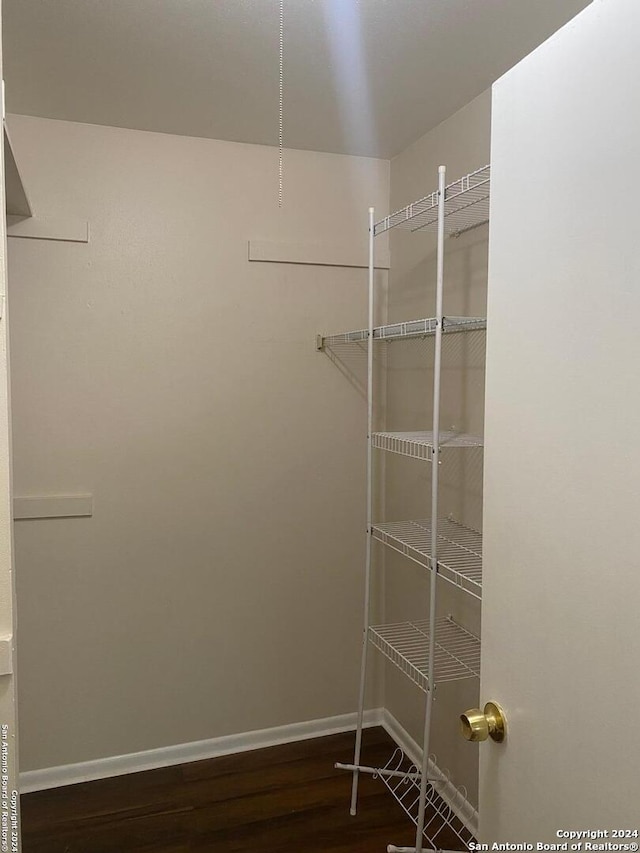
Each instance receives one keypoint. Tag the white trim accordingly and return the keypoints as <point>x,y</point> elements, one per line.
<point>467,814</point>
<point>61,228</point>
<point>402,737</point>
<point>325,254</point>
<point>6,655</point>
<point>102,768</point>
<point>53,506</point>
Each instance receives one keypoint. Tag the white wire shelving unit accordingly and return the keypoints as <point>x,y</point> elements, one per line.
<point>434,650</point>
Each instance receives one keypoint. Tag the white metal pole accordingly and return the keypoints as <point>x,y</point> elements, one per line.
<point>378,771</point>
<point>435,459</point>
<point>367,582</point>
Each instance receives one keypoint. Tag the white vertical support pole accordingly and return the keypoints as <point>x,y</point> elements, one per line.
<point>367,582</point>
<point>435,462</point>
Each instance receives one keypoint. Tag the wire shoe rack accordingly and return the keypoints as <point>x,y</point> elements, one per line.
<point>440,814</point>
<point>434,650</point>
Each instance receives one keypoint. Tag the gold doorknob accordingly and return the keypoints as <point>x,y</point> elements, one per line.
<point>477,725</point>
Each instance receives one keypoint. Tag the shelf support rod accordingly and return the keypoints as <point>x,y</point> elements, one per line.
<point>367,583</point>
<point>435,465</point>
<point>380,771</point>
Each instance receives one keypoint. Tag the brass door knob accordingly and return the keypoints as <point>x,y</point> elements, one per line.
<point>477,725</point>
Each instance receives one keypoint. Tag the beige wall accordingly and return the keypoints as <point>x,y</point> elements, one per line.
<point>462,144</point>
<point>217,588</point>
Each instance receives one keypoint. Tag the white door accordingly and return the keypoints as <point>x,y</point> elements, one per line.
<point>9,803</point>
<point>561,596</point>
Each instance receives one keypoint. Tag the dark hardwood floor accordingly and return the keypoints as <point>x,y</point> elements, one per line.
<point>284,798</point>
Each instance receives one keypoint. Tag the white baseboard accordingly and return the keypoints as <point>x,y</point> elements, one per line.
<point>102,768</point>
<point>452,795</point>
<point>402,737</point>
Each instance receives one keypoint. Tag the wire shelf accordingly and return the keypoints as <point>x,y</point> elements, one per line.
<point>459,549</point>
<point>405,330</point>
<point>441,815</point>
<point>466,206</point>
<point>406,645</point>
<point>419,445</point>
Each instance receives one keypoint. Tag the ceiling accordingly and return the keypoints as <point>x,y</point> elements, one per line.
<point>360,76</point>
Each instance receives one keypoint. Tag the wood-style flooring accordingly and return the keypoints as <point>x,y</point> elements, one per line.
<point>284,798</point>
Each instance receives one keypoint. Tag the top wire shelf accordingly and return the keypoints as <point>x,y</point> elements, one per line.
<point>405,330</point>
<point>466,206</point>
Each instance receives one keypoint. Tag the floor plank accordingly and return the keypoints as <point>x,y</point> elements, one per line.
<point>283,798</point>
